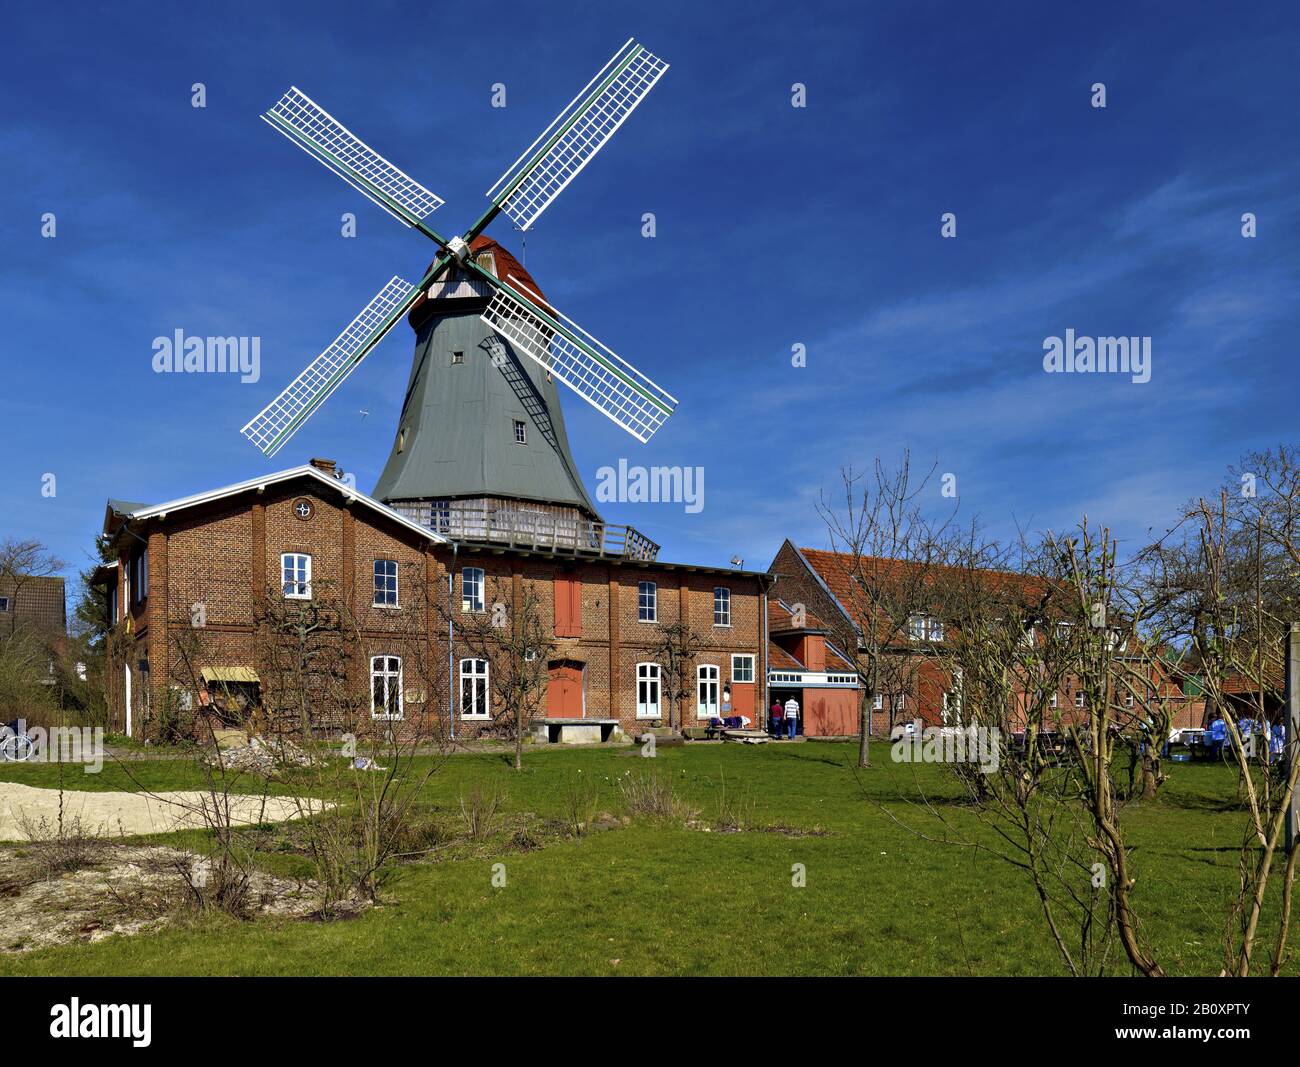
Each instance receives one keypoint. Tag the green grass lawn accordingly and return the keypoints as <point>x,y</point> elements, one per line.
<point>655,899</point>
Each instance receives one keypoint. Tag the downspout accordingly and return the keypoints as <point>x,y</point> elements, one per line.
<point>451,655</point>
<point>124,606</point>
<point>767,642</point>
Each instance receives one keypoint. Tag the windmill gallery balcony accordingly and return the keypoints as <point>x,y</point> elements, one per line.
<point>521,528</point>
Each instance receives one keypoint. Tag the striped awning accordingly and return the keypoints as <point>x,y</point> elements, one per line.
<point>229,674</point>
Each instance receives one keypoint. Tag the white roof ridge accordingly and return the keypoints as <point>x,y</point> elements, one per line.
<point>350,492</point>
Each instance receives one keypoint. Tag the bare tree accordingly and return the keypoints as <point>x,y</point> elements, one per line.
<point>674,647</point>
<point>886,549</point>
<point>338,723</point>
<point>1230,574</point>
<point>517,643</point>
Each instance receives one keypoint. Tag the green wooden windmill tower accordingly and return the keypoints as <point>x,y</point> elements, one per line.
<point>480,449</point>
<point>481,434</point>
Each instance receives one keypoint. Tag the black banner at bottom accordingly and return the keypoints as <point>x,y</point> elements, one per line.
<point>147,1015</point>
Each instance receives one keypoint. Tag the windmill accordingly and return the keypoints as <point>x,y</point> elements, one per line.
<point>514,310</point>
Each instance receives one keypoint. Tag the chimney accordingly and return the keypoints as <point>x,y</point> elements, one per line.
<point>326,466</point>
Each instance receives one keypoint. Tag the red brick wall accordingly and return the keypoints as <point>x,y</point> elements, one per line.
<point>226,555</point>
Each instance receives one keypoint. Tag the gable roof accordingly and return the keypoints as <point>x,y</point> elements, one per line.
<point>835,571</point>
<point>778,659</point>
<point>140,512</point>
<point>782,619</point>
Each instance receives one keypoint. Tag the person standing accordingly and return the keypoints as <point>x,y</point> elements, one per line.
<point>791,717</point>
<point>774,718</point>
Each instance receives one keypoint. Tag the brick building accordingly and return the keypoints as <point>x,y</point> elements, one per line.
<point>818,585</point>
<point>35,603</point>
<point>208,568</point>
<point>806,663</point>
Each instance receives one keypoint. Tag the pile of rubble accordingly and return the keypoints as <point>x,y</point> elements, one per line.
<point>259,757</point>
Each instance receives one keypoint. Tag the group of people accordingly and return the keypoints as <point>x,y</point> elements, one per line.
<point>783,720</point>
<point>1217,737</point>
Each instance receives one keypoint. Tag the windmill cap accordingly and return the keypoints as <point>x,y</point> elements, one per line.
<point>503,264</point>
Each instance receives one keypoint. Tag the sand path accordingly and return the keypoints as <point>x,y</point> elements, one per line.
<point>128,813</point>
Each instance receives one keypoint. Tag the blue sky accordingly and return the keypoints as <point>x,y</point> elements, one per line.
<point>776,226</point>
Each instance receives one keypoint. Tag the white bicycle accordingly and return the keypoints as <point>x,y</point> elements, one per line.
<point>15,747</point>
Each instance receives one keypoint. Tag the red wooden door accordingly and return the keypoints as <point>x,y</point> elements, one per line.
<point>564,691</point>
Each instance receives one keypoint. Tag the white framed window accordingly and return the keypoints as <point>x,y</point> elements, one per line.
<point>742,667</point>
<point>140,576</point>
<point>721,606</point>
<point>1128,698</point>
<point>386,687</point>
<point>521,432</point>
<point>647,602</point>
<point>1028,639</point>
<point>1078,699</point>
<point>474,698</point>
<point>1052,701</point>
<point>925,628</point>
<point>4,600</point>
<point>295,575</point>
<point>471,590</point>
<point>385,583</point>
<point>900,701</point>
<point>706,703</point>
<point>440,515</point>
<point>457,358</point>
<point>647,690</point>
<point>878,702</point>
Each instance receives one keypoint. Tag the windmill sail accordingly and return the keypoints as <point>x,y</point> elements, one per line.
<point>320,134</point>
<point>607,382</point>
<point>281,418</point>
<point>581,130</point>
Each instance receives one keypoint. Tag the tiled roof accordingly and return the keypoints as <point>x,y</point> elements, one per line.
<point>837,571</point>
<point>778,659</point>
<point>39,603</point>
<point>781,617</point>
<point>834,653</point>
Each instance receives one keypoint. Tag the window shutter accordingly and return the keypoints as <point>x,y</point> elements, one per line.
<point>562,606</point>
<point>568,606</point>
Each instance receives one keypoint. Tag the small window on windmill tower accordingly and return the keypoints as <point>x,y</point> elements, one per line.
<point>401,439</point>
<point>521,433</point>
<point>457,357</point>
<point>488,261</point>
